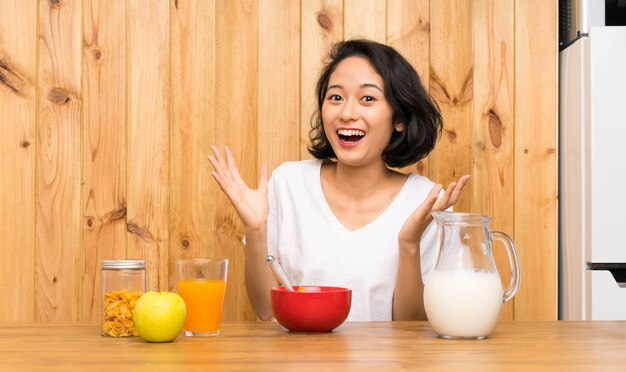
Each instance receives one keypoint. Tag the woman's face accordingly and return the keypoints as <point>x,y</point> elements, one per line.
<point>356,115</point>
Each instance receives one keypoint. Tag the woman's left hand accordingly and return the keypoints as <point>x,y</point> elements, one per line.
<point>414,226</point>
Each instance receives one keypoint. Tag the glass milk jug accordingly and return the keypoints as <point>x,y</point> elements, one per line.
<point>463,292</point>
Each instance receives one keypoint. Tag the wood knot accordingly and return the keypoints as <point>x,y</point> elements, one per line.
<point>467,90</point>
<point>185,243</point>
<point>58,96</point>
<point>89,222</point>
<point>25,144</point>
<point>495,129</point>
<point>438,88</point>
<point>451,134</point>
<point>116,214</point>
<point>227,223</point>
<point>12,79</point>
<point>142,233</point>
<point>440,93</point>
<point>325,21</point>
<point>423,25</point>
<point>55,3</point>
<point>525,151</point>
<point>97,54</point>
<point>55,279</point>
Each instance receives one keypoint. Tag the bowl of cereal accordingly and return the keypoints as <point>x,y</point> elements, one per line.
<point>311,308</point>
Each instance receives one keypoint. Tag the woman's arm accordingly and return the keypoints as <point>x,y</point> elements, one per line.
<point>408,298</point>
<point>259,277</point>
<point>252,206</point>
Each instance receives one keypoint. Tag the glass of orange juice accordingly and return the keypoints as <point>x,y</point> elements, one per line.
<point>201,282</point>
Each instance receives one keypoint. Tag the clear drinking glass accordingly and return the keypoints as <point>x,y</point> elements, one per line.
<point>201,282</point>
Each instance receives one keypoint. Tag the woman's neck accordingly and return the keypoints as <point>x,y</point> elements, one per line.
<point>357,196</point>
<point>359,181</point>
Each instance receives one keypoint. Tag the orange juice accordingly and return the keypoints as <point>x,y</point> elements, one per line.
<point>204,300</point>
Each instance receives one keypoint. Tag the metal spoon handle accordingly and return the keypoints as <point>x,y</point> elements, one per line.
<point>280,273</point>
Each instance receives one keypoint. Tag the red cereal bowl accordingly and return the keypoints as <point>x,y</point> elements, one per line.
<point>311,308</point>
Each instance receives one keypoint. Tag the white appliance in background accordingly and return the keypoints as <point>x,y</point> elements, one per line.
<point>592,160</point>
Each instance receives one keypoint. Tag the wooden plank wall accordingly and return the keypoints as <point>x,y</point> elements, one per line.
<point>108,109</point>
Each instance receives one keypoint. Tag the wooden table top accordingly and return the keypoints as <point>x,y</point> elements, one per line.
<point>254,346</point>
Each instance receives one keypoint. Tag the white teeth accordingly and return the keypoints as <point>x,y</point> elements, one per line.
<point>351,132</point>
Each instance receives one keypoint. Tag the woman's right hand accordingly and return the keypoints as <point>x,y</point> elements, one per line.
<point>251,205</point>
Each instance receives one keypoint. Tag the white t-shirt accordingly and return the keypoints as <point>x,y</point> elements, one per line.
<point>314,248</point>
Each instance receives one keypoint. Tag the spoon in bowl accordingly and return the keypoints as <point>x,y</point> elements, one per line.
<point>279,272</point>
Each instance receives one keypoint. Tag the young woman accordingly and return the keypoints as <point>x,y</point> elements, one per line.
<point>347,219</point>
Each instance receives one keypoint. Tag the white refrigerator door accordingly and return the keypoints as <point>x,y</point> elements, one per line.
<point>605,114</point>
<point>592,170</point>
<point>607,300</point>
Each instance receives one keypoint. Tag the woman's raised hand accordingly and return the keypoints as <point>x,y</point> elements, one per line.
<point>417,222</point>
<point>251,205</point>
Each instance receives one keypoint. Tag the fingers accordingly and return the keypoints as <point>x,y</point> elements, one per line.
<point>217,167</point>
<point>229,157</point>
<point>432,197</point>
<point>226,172</point>
<point>232,166</point>
<point>422,217</point>
<point>445,198</point>
<point>223,174</point>
<point>216,160</point>
<point>227,169</point>
<point>451,196</point>
<point>224,184</point>
<point>456,192</point>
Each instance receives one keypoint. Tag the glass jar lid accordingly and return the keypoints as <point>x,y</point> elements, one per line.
<point>123,264</point>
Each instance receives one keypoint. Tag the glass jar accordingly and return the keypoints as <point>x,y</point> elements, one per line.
<point>123,282</point>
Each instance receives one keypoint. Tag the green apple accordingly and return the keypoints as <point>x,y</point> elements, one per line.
<point>159,316</point>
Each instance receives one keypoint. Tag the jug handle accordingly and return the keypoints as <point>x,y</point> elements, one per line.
<point>513,262</point>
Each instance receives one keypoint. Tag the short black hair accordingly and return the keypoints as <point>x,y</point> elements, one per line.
<point>412,105</point>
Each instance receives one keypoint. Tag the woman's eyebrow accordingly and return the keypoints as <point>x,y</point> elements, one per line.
<point>371,85</point>
<point>366,85</point>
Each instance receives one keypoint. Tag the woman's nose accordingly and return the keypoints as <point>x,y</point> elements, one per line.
<point>349,111</point>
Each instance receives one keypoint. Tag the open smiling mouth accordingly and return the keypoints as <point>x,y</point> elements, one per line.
<point>350,135</point>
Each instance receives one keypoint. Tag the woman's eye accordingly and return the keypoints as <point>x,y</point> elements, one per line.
<point>368,99</point>
<point>334,97</point>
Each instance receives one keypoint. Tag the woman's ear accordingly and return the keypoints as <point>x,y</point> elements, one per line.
<point>398,127</point>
